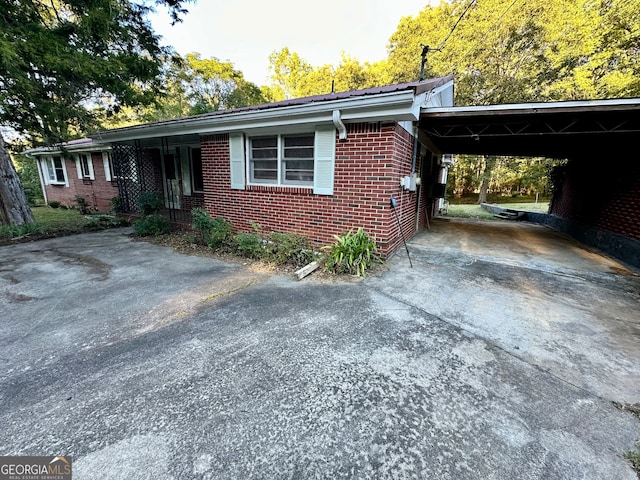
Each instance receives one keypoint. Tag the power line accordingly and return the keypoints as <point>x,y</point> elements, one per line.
<point>483,36</point>
<point>426,49</point>
<point>441,46</point>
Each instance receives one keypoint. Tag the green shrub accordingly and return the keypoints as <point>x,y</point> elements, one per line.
<point>55,204</point>
<point>15,231</point>
<point>82,205</point>
<point>288,248</point>
<point>149,203</point>
<point>352,253</point>
<point>116,205</point>
<point>248,245</point>
<point>215,232</point>
<point>153,224</point>
<point>634,457</point>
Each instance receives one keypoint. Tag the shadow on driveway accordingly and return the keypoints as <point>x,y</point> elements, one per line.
<point>143,363</point>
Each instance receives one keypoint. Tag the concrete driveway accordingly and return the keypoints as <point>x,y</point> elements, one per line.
<point>478,362</point>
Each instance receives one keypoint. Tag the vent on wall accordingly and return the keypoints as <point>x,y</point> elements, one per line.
<point>363,127</point>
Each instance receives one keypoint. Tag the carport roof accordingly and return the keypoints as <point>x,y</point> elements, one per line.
<point>553,130</point>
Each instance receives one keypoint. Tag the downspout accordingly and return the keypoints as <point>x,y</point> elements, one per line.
<point>337,121</point>
<point>414,161</point>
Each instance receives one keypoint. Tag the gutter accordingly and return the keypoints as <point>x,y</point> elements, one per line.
<point>397,106</point>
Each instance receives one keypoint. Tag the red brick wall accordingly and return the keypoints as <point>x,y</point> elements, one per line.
<point>98,192</point>
<point>601,195</point>
<point>368,167</point>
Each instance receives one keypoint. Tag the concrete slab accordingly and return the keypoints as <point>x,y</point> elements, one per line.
<point>144,363</point>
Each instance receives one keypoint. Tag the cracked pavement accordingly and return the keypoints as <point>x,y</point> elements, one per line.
<point>483,361</point>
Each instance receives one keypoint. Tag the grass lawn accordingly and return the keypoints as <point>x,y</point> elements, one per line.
<point>52,219</point>
<point>475,211</point>
<point>51,222</point>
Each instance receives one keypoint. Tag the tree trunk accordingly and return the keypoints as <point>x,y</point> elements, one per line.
<point>484,186</point>
<point>14,208</point>
<point>485,177</point>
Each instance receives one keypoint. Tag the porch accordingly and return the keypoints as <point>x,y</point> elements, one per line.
<point>172,171</point>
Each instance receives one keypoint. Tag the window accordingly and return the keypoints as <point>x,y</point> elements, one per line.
<point>54,170</point>
<point>197,180</point>
<point>109,172</point>
<point>86,166</point>
<point>282,159</point>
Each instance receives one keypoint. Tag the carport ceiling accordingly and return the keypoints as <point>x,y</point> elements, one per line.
<point>552,130</point>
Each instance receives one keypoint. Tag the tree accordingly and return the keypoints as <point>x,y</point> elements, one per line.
<point>59,57</point>
<point>191,85</point>
<point>287,70</point>
<point>539,50</point>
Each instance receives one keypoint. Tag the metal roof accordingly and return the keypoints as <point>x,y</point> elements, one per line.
<point>553,129</point>
<point>417,87</point>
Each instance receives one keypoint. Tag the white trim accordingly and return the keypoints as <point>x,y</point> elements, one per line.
<point>393,106</point>
<point>324,154</point>
<point>81,174</point>
<point>49,160</point>
<point>280,161</point>
<point>533,107</point>
<point>185,168</point>
<point>108,175</point>
<point>237,161</point>
<point>42,182</point>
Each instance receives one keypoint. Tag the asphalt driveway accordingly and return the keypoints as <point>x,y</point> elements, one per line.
<point>478,362</point>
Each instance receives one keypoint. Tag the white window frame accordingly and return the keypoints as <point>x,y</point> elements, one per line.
<point>49,170</point>
<point>89,174</point>
<point>280,162</point>
<point>107,162</point>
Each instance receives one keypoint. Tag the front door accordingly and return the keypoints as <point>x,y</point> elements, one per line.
<point>171,177</point>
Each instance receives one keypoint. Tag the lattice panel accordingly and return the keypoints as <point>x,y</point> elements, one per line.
<point>134,171</point>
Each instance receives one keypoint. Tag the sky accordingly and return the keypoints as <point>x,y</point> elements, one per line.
<point>246,32</point>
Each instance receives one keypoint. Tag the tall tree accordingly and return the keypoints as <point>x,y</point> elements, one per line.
<point>287,70</point>
<point>57,58</point>
<point>538,50</point>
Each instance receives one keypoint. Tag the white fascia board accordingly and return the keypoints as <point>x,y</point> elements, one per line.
<point>32,152</point>
<point>391,106</point>
<point>540,106</point>
<point>441,96</point>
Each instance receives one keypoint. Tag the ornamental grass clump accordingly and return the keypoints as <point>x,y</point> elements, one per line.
<point>351,253</point>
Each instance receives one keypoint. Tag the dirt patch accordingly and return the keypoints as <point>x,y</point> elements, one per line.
<point>182,242</point>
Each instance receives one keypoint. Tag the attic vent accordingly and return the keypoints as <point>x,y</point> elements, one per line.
<point>363,127</point>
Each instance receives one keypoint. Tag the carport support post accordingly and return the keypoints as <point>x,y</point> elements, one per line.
<point>394,202</point>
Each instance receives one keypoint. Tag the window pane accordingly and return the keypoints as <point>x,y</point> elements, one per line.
<point>300,165</point>
<point>264,153</point>
<point>299,140</point>
<point>265,175</point>
<point>59,171</point>
<point>264,169</point>
<point>299,171</point>
<point>298,152</point>
<point>196,170</point>
<point>84,165</point>
<point>265,142</point>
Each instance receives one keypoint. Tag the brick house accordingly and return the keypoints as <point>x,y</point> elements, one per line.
<point>79,168</point>
<point>317,166</point>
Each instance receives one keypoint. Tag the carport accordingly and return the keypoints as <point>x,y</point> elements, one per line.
<point>596,195</point>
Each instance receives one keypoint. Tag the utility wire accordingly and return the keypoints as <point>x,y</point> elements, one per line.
<point>484,34</point>
<point>441,46</point>
<point>426,48</point>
